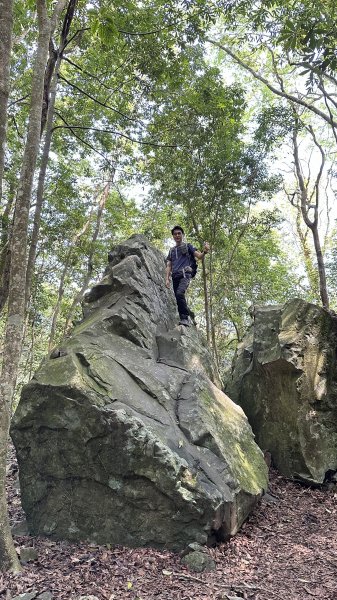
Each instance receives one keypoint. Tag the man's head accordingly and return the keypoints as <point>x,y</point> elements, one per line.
<point>177,233</point>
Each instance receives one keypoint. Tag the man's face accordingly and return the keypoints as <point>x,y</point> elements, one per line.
<point>177,236</point>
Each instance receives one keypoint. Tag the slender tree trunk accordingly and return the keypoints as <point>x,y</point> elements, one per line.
<point>5,257</point>
<point>40,186</point>
<point>79,295</point>
<point>16,296</point>
<point>27,368</point>
<point>212,327</point>
<point>321,268</point>
<point>61,284</point>
<point>49,97</point>
<point>211,292</point>
<point>204,277</point>
<point>312,224</point>
<point>57,306</point>
<point>31,351</point>
<point>5,262</point>
<point>312,272</point>
<point>206,303</point>
<point>8,557</point>
<point>6,28</point>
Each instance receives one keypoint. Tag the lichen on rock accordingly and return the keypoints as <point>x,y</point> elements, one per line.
<point>285,379</point>
<point>123,437</point>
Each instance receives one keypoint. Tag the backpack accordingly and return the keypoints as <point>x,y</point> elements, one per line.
<point>193,262</point>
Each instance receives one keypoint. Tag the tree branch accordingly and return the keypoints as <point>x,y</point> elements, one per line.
<point>114,132</point>
<point>320,172</point>
<point>71,62</point>
<point>81,139</point>
<point>76,87</point>
<point>303,189</point>
<point>60,5</point>
<point>272,88</point>
<point>17,101</point>
<point>75,34</point>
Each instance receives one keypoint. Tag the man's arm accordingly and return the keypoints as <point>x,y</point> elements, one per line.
<point>168,273</point>
<point>201,255</point>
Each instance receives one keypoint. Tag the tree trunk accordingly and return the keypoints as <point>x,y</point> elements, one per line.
<point>40,188</point>
<point>5,257</point>
<point>321,268</point>
<point>79,295</point>
<point>16,295</point>
<point>310,268</point>
<point>61,284</point>
<point>206,303</point>
<point>211,324</point>
<point>49,97</point>
<point>312,224</point>
<point>211,288</point>
<point>6,27</point>
<point>204,274</point>
<point>8,557</point>
<point>58,302</point>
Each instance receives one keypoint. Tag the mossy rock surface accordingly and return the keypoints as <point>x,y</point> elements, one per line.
<point>199,562</point>
<point>285,379</point>
<point>123,435</point>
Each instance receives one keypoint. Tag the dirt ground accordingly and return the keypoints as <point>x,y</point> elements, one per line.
<point>287,550</point>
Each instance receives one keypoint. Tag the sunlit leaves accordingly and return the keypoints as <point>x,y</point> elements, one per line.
<point>307,30</point>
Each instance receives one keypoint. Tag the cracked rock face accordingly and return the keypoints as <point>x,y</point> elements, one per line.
<point>123,436</point>
<point>285,379</point>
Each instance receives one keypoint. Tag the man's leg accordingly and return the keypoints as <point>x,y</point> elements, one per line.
<point>180,286</point>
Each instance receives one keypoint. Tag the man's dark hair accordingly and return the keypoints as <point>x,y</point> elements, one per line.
<point>177,227</point>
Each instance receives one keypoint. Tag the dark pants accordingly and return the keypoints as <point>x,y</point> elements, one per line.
<point>180,285</point>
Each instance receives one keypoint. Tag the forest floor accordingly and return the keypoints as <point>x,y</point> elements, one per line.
<point>287,550</point>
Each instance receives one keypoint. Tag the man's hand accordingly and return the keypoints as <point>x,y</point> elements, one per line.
<point>205,250</point>
<point>167,283</point>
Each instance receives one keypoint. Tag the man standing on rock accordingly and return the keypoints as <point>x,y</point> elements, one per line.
<point>181,264</point>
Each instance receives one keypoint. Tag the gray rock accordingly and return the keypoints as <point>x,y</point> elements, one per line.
<point>198,562</point>
<point>126,438</point>
<point>270,499</point>
<point>28,555</point>
<point>87,598</point>
<point>26,596</point>
<point>45,596</point>
<point>285,379</point>
<point>193,547</point>
<point>20,529</point>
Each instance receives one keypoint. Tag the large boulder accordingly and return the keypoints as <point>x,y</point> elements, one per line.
<point>285,379</point>
<point>123,436</point>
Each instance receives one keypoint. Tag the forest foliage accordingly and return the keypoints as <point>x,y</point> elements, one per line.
<point>220,116</point>
<point>150,127</point>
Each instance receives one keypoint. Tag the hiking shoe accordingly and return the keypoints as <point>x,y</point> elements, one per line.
<point>184,322</point>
